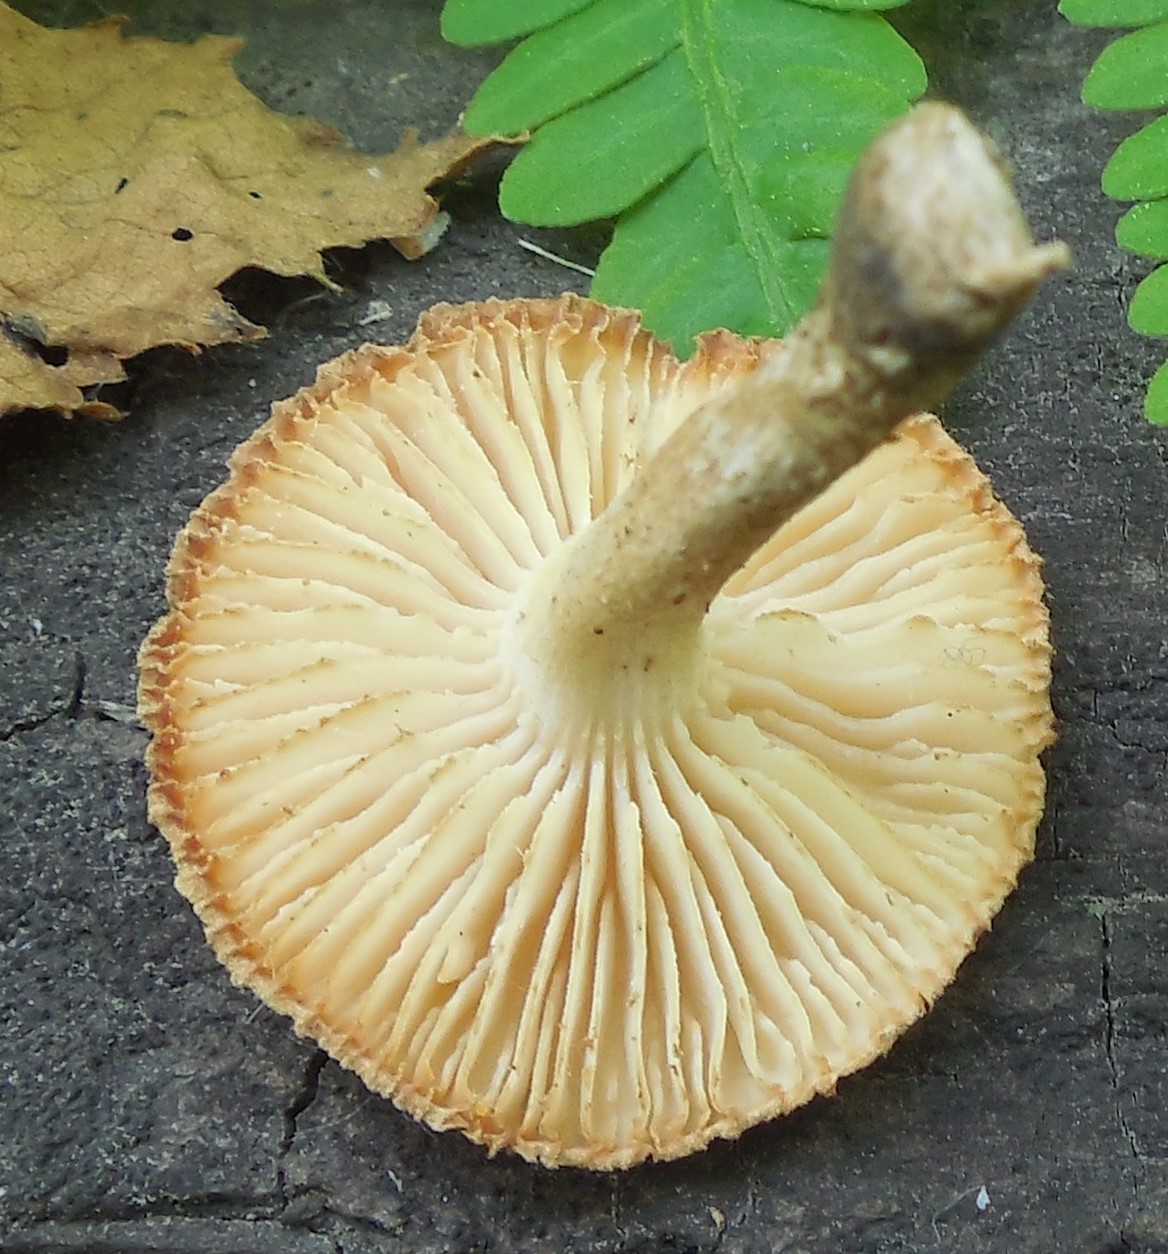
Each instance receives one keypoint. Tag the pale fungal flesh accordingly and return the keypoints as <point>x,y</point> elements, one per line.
<point>589,943</point>
<point>592,901</point>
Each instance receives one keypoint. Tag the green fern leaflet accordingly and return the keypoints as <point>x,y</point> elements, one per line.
<point>1132,73</point>
<point>719,134</point>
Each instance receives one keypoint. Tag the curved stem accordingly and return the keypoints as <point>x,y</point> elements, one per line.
<point>931,260</point>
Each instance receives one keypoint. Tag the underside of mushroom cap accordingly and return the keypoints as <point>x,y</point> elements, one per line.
<point>601,942</point>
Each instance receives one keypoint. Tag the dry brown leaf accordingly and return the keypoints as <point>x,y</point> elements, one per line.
<point>27,382</point>
<point>137,175</point>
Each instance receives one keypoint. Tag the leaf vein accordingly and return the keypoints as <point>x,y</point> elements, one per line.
<point>700,41</point>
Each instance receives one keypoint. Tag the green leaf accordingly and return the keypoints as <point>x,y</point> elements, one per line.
<point>856,5</point>
<point>700,254</point>
<point>1144,230</point>
<point>472,23</point>
<point>686,282</point>
<point>1138,169</point>
<point>606,155</point>
<point>1132,72</point>
<point>575,61</point>
<point>722,130</point>
<point>1156,402</point>
<point>1148,311</point>
<point>1114,12</point>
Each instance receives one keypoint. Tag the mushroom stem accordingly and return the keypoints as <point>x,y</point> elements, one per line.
<point>931,260</point>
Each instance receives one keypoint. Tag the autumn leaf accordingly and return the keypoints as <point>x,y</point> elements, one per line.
<point>137,175</point>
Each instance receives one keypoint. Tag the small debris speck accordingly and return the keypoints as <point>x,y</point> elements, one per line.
<point>377,311</point>
<point>550,256</point>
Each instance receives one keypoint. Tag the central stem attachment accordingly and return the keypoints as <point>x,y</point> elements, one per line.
<point>931,260</point>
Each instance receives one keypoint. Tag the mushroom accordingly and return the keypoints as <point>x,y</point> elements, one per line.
<point>600,753</point>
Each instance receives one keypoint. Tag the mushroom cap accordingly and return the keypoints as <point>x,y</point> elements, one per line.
<point>596,944</point>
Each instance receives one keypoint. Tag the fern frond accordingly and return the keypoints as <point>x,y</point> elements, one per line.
<point>719,133</point>
<point>1132,73</point>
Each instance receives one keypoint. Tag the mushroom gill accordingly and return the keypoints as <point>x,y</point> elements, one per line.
<point>535,861</point>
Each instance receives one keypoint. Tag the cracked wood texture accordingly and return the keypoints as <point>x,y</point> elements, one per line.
<point>148,1105</point>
